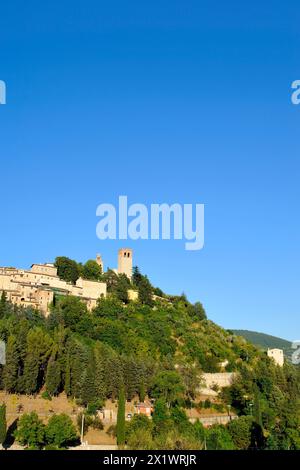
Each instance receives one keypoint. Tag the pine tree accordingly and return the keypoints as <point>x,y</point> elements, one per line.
<point>88,394</point>
<point>145,291</point>
<point>10,378</point>
<point>131,376</point>
<point>21,336</point>
<point>68,376</point>
<point>77,363</point>
<point>114,375</point>
<point>3,425</point>
<point>161,416</point>
<point>39,345</point>
<point>53,376</point>
<point>136,276</point>
<point>142,392</point>
<point>121,418</point>
<point>121,288</point>
<point>31,373</point>
<point>61,356</point>
<point>257,408</point>
<point>3,304</point>
<point>100,383</point>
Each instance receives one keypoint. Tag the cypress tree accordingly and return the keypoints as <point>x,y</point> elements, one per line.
<point>257,409</point>
<point>3,304</point>
<point>145,291</point>
<point>142,392</point>
<point>100,383</point>
<point>31,372</point>
<point>88,392</point>
<point>53,376</point>
<point>10,376</point>
<point>121,418</point>
<point>68,376</point>
<point>121,289</point>
<point>3,426</point>
<point>76,368</point>
<point>161,418</point>
<point>136,276</point>
<point>113,374</point>
<point>39,345</point>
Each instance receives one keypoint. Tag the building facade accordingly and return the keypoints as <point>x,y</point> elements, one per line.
<point>37,286</point>
<point>125,262</point>
<point>277,356</point>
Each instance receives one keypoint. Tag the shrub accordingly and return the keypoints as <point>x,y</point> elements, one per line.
<point>46,396</point>
<point>30,431</point>
<point>60,431</point>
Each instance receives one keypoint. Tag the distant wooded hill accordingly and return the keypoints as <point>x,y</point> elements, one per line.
<point>265,341</point>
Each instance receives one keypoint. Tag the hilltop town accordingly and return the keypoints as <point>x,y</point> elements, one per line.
<point>37,286</point>
<point>105,358</point>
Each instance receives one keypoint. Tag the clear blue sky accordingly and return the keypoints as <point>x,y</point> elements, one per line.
<point>163,101</point>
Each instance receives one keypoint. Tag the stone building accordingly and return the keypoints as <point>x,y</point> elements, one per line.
<point>37,286</point>
<point>277,356</point>
<point>125,262</point>
<point>100,262</point>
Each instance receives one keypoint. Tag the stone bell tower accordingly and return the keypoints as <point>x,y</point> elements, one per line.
<point>125,262</point>
<point>99,262</point>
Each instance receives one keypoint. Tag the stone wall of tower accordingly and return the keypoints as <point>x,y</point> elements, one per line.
<point>125,262</point>
<point>100,262</point>
<point>36,287</point>
<point>277,355</point>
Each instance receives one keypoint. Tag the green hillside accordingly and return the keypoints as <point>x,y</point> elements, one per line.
<point>265,341</point>
<point>153,348</point>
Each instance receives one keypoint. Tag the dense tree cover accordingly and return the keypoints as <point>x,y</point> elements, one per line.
<point>157,348</point>
<point>217,437</point>
<point>169,386</point>
<point>169,429</point>
<point>59,432</point>
<point>267,398</point>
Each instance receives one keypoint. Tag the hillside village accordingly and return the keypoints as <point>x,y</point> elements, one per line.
<point>92,346</point>
<point>37,286</point>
